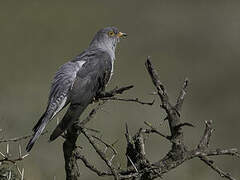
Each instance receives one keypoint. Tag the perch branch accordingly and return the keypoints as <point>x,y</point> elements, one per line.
<point>69,145</point>
<point>114,92</point>
<point>136,100</point>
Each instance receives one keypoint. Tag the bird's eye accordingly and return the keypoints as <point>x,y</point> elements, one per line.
<point>111,33</point>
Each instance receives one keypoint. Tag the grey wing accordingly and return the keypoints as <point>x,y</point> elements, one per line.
<point>61,85</point>
<point>90,80</point>
<point>59,95</point>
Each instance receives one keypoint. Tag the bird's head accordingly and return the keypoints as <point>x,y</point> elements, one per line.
<point>107,38</point>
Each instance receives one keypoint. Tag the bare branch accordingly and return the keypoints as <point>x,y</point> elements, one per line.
<point>204,142</point>
<point>114,92</point>
<point>132,164</point>
<point>217,152</point>
<point>106,144</point>
<point>138,166</point>
<point>101,154</point>
<point>15,139</point>
<point>129,100</point>
<point>173,115</point>
<point>91,166</point>
<point>210,163</point>
<point>91,114</point>
<point>181,96</point>
<point>157,83</point>
<point>154,130</point>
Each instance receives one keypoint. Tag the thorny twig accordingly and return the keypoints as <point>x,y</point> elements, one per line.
<point>7,158</point>
<point>16,139</point>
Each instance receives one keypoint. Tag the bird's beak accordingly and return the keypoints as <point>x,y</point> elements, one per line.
<point>121,35</point>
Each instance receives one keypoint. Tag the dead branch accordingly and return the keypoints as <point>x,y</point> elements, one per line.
<point>90,166</point>
<point>138,166</point>
<point>101,154</point>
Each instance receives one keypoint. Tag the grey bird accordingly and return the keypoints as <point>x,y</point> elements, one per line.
<point>78,81</point>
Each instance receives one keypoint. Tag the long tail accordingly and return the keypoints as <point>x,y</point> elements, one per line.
<point>38,129</point>
<point>69,118</point>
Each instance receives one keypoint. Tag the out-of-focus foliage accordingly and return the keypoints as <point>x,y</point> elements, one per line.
<point>197,39</point>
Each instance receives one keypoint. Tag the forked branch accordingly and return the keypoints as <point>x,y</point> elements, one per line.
<point>138,166</point>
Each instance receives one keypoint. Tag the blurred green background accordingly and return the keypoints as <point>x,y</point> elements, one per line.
<point>195,39</point>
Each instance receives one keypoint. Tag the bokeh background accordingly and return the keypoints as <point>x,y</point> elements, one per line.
<point>195,39</point>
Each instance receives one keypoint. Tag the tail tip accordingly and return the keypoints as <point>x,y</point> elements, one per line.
<point>52,137</point>
<point>56,133</point>
<point>29,146</point>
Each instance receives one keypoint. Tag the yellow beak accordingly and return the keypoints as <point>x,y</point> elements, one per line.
<point>120,34</point>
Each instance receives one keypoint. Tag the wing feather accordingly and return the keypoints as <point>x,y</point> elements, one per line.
<point>62,84</point>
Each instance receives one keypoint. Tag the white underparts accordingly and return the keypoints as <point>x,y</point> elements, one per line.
<point>112,69</point>
<point>112,62</point>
